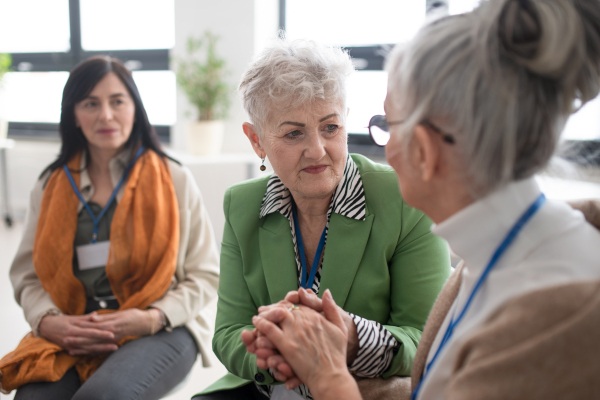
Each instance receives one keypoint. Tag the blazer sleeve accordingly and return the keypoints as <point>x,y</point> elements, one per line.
<point>418,270</point>
<point>29,293</point>
<point>235,308</point>
<point>198,264</point>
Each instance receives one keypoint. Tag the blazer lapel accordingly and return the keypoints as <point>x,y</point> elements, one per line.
<point>346,242</point>
<point>435,320</point>
<point>278,256</point>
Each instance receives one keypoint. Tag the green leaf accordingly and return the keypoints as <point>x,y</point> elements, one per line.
<point>201,76</point>
<point>5,62</point>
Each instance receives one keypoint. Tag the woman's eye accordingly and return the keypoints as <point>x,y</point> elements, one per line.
<point>89,104</point>
<point>293,134</point>
<point>331,127</point>
<point>118,102</point>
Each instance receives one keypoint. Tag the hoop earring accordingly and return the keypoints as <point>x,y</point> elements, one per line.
<point>262,167</point>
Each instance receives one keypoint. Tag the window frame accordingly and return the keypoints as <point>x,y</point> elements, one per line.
<point>148,60</point>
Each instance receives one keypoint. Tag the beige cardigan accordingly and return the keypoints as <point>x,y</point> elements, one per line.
<point>542,345</point>
<point>196,278</point>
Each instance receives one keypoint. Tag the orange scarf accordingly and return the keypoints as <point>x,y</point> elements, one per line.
<point>144,238</point>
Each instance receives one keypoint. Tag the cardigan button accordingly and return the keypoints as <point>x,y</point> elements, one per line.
<point>260,378</point>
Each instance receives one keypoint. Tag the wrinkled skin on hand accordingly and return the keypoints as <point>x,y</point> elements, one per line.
<point>269,357</point>
<point>305,338</point>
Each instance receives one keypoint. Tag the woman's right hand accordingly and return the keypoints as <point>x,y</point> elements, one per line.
<point>267,356</point>
<point>314,345</point>
<point>72,333</point>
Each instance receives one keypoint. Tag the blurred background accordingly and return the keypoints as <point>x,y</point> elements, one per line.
<point>47,38</point>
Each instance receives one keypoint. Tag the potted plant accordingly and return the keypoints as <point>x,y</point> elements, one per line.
<point>201,76</point>
<point>5,62</point>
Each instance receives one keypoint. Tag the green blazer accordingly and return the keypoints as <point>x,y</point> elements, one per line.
<point>388,268</point>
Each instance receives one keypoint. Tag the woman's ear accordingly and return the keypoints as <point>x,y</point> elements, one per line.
<point>252,136</point>
<point>425,153</point>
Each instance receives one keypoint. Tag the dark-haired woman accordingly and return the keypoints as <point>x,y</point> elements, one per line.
<point>118,258</point>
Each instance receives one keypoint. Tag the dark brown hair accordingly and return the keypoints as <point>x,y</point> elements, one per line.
<point>82,80</point>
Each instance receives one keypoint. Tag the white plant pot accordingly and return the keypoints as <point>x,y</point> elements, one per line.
<point>205,138</point>
<point>3,129</point>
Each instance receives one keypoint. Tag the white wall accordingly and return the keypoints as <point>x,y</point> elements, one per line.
<point>243,26</point>
<point>25,163</point>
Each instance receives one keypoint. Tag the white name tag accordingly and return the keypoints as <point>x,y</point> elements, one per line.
<point>281,393</point>
<point>92,255</point>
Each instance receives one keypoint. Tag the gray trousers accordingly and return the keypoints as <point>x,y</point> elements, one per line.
<point>145,368</point>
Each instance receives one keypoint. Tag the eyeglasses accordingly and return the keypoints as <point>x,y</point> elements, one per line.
<point>379,129</point>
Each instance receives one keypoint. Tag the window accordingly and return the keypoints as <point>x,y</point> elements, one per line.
<point>44,30</point>
<point>368,30</point>
<point>354,22</point>
<point>21,99</point>
<point>584,125</point>
<point>138,24</point>
<point>462,6</point>
<point>366,93</point>
<point>157,89</point>
<point>47,38</point>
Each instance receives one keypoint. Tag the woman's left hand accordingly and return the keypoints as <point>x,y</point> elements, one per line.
<point>306,339</point>
<point>311,300</point>
<point>266,354</point>
<point>131,322</point>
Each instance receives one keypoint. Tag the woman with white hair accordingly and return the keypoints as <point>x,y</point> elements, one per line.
<point>323,220</point>
<point>475,107</point>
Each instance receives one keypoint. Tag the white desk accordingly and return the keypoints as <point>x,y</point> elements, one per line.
<point>5,145</point>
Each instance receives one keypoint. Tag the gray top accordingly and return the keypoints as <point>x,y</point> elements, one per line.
<point>94,280</point>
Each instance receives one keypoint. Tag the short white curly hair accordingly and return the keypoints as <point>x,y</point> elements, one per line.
<point>289,75</point>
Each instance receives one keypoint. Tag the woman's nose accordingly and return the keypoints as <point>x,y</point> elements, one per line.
<point>316,147</point>
<point>106,113</point>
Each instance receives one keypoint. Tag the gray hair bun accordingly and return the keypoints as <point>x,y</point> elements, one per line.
<point>502,79</point>
<point>555,39</point>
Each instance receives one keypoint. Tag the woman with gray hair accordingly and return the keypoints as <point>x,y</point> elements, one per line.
<point>323,220</point>
<point>475,107</point>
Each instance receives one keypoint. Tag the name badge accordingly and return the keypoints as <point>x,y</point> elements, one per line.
<point>281,393</point>
<point>92,255</point>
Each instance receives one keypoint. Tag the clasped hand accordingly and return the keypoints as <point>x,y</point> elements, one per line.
<point>96,333</point>
<point>313,325</point>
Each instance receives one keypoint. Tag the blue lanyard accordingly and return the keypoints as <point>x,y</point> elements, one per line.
<point>315,264</point>
<point>504,245</point>
<point>96,220</point>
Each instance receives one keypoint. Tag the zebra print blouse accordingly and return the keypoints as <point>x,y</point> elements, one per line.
<point>376,344</point>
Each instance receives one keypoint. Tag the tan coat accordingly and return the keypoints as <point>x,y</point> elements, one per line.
<point>542,345</point>
<point>196,277</point>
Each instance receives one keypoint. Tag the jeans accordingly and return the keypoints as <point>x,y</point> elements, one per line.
<point>145,368</point>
